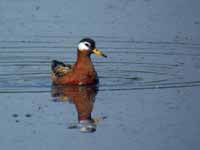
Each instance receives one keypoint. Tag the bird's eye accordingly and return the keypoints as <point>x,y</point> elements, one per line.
<point>87,44</point>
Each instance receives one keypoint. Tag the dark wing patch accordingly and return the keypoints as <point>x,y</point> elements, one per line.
<point>59,68</point>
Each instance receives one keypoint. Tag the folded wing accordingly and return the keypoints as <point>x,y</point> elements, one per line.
<point>59,69</point>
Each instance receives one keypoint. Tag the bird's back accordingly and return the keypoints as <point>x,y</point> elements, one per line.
<point>65,74</point>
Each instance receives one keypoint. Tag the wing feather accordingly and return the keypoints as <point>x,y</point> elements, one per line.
<point>59,69</point>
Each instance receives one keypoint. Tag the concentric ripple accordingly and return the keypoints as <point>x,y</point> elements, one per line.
<point>131,65</point>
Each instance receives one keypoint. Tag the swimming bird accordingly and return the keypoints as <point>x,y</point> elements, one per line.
<point>83,71</point>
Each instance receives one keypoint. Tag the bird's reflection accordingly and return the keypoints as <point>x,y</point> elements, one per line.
<point>83,97</point>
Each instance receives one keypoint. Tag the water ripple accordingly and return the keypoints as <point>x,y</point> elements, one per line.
<point>132,65</point>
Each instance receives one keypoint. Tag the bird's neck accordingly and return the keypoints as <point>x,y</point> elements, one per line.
<point>84,62</point>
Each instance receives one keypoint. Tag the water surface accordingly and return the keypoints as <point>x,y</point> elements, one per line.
<point>149,84</point>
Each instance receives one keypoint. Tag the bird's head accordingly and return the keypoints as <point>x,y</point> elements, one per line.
<point>87,45</point>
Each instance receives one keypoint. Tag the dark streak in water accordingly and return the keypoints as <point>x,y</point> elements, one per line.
<point>113,52</point>
<point>27,41</point>
<point>155,87</point>
<point>117,39</point>
<point>28,63</point>
<point>158,87</point>
<point>34,47</point>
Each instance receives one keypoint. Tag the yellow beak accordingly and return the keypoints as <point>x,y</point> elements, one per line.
<point>98,52</point>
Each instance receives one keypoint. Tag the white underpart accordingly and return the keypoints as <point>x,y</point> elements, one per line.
<point>80,83</point>
<point>82,46</point>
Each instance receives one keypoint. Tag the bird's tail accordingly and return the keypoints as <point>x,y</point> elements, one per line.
<point>55,64</point>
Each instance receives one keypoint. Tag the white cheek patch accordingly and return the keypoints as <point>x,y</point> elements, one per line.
<point>82,46</point>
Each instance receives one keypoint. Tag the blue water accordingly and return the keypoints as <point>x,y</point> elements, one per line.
<point>149,84</point>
